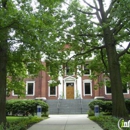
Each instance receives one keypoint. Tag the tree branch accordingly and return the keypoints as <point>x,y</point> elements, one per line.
<point>103,60</point>
<point>8,26</point>
<point>88,51</point>
<point>110,7</point>
<point>4,3</point>
<point>118,27</point>
<point>90,5</point>
<point>97,13</point>
<point>125,51</point>
<point>96,23</point>
<point>102,12</point>
<point>89,13</point>
<point>91,35</point>
<point>128,30</point>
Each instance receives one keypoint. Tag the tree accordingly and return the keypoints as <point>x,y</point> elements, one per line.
<point>24,34</point>
<point>88,36</point>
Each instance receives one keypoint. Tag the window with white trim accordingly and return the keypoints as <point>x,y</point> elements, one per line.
<point>107,90</point>
<point>14,93</point>
<point>125,89</point>
<point>69,71</point>
<point>30,88</point>
<point>52,91</point>
<point>87,87</point>
<point>87,71</point>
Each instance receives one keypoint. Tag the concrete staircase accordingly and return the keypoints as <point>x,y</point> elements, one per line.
<point>63,106</point>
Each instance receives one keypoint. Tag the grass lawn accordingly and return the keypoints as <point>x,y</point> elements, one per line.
<point>107,122</point>
<point>21,123</point>
<point>14,118</point>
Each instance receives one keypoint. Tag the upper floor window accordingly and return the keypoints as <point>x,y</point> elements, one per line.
<point>69,71</point>
<point>87,71</point>
<point>14,93</point>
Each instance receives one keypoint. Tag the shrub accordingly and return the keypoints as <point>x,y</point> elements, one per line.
<point>106,122</point>
<point>127,103</point>
<point>104,106</point>
<point>90,112</point>
<point>25,107</point>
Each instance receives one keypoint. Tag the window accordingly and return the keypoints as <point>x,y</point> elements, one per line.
<point>69,71</point>
<point>87,87</point>
<point>125,89</point>
<point>86,70</point>
<point>14,93</point>
<point>30,86</point>
<point>108,90</point>
<point>52,91</point>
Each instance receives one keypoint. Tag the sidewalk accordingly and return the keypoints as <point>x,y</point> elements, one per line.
<point>66,122</point>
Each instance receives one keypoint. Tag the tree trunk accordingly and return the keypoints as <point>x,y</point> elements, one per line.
<point>3,73</point>
<point>118,107</point>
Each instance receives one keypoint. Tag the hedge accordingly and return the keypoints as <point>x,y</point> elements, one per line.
<point>25,106</point>
<point>106,106</point>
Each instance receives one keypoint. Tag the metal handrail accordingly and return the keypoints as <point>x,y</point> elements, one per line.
<point>81,104</point>
<point>58,105</point>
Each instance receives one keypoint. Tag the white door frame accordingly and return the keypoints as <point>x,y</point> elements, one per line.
<point>69,79</point>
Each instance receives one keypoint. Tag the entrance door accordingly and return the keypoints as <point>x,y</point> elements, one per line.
<point>69,90</point>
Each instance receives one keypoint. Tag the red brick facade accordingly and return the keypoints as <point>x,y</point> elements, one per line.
<point>39,88</point>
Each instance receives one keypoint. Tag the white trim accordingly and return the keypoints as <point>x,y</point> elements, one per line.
<point>73,73</point>
<point>89,71</point>
<point>49,82</point>
<point>69,79</point>
<point>87,81</point>
<point>13,94</point>
<point>106,91</point>
<point>127,92</point>
<point>79,81</point>
<point>55,91</point>
<point>33,88</point>
<point>111,93</point>
<point>88,74</point>
<point>60,87</point>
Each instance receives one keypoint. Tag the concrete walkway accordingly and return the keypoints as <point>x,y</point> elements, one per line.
<point>66,122</point>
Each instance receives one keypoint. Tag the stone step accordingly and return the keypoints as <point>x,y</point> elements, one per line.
<point>62,106</point>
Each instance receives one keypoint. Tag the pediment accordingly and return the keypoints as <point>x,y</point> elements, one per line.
<point>70,78</point>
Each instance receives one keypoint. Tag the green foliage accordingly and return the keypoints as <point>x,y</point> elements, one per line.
<point>127,102</point>
<point>106,122</point>
<point>25,34</point>
<point>25,106</point>
<point>21,123</point>
<point>26,31</point>
<point>90,112</point>
<point>104,106</point>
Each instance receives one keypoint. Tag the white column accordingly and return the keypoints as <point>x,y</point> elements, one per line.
<point>60,87</point>
<point>79,83</point>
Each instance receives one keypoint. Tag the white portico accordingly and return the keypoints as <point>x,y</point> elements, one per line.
<point>70,87</point>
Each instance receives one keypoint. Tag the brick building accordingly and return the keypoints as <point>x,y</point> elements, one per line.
<point>70,87</point>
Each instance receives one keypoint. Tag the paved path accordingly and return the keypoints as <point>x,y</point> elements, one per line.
<point>66,122</point>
